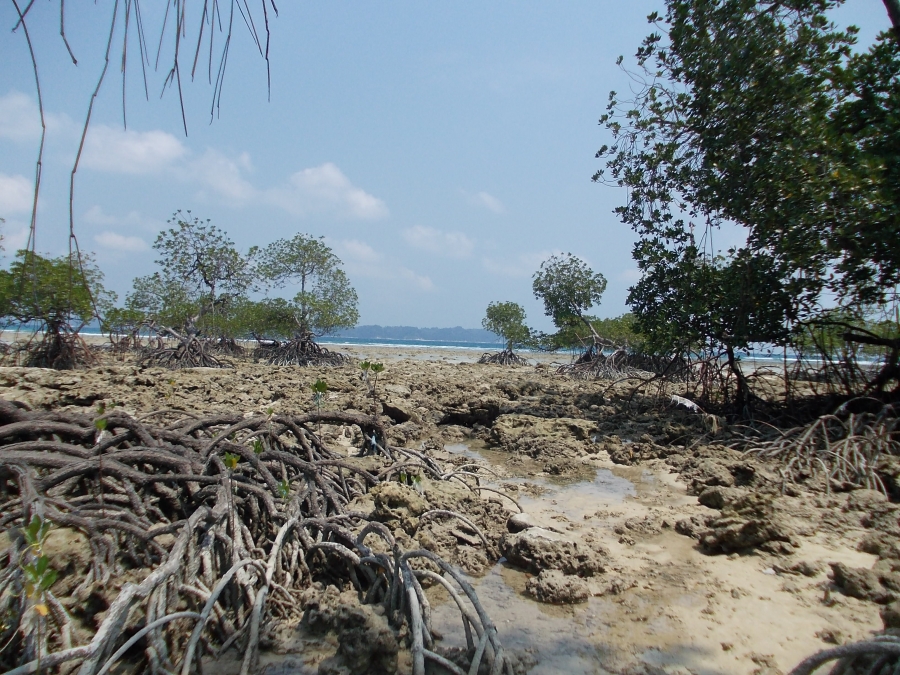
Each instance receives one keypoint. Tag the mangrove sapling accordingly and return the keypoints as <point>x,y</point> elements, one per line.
<point>325,303</point>
<point>375,368</point>
<point>39,577</point>
<point>507,320</point>
<point>61,295</point>
<point>202,275</point>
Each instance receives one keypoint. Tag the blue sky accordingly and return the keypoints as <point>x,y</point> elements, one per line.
<point>442,150</point>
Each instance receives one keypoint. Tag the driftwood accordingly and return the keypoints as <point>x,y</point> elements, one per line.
<point>223,517</point>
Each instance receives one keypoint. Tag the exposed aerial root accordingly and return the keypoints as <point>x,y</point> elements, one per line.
<point>192,352</point>
<point>218,523</point>
<point>878,656</point>
<point>505,358</point>
<point>228,347</point>
<point>63,349</point>
<point>844,447</point>
<point>595,365</point>
<point>299,352</point>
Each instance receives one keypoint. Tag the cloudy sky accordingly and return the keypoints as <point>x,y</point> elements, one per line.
<point>442,149</point>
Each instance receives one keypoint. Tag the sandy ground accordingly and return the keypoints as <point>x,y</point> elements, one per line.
<point>663,604</point>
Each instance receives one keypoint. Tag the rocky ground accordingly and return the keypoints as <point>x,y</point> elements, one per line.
<point>645,543</point>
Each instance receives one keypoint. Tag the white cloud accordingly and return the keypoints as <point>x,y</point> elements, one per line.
<point>487,201</point>
<point>222,174</point>
<point>361,260</point>
<point>359,251</point>
<point>424,283</point>
<point>129,151</point>
<point>118,242</point>
<point>522,265</point>
<point>131,221</point>
<point>20,119</point>
<point>16,194</point>
<point>325,188</point>
<point>450,244</point>
<point>14,234</point>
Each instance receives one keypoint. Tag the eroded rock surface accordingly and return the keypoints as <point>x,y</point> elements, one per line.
<point>552,586</point>
<point>537,549</point>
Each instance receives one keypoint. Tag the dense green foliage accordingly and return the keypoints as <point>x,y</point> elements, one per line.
<point>202,274</point>
<point>757,118</point>
<point>203,287</point>
<point>507,320</point>
<point>53,292</point>
<point>568,288</point>
<point>326,300</point>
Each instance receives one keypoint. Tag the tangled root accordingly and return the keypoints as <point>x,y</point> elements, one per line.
<point>843,447</point>
<point>193,352</point>
<point>299,352</point>
<point>60,350</point>
<point>227,519</point>
<point>228,347</point>
<point>505,358</point>
<point>595,365</point>
<point>878,656</point>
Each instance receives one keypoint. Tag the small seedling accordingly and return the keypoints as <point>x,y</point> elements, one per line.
<point>258,446</point>
<point>38,580</point>
<point>284,489</point>
<point>375,368</point>
<point>319,388</point>
<point>231,460</point>
<point>39,577</point>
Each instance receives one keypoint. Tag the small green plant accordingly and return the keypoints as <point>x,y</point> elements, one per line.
<point>170,392</point>
<point>39,577</point>
<point>319,388</point>
<point>258,447</point>
<point>375,368</point>
<point>284,489</point>
<point>231,461</point>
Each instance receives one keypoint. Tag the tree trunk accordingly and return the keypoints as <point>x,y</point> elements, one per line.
<point>741,394</point>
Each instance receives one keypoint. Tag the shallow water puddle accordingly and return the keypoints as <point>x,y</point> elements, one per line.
<point>566,498</point>
<point>556,638</point>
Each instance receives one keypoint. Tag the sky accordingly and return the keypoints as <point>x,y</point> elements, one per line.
<point>443,150</point>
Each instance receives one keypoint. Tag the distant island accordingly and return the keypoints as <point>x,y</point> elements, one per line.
<point>455,334</point>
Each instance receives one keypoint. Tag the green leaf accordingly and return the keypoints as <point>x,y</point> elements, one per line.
<point>49,578</point>
<point>100,424</point>
<point>231,460</point>
<point>258,446</point>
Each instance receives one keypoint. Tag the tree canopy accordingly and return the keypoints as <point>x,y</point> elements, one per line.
<point>201,274</point>
<point>507,320</point>
<point>757,116</point>
<point>569,288</point>
<point>326,301</point>
<point>53,292</point>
